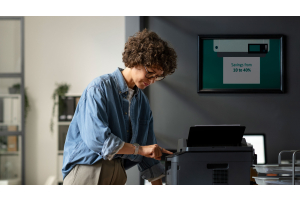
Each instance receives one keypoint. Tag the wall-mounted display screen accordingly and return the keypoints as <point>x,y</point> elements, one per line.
<point>240,63</point>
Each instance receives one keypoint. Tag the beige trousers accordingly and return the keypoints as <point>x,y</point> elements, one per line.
<point>104,172</point>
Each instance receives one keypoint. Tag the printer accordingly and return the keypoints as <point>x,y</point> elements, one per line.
<point>212,155</point>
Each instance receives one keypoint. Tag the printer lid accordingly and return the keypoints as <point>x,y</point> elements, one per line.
<point>210,135</point>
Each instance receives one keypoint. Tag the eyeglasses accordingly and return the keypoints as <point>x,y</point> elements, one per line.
<point>151,75</point>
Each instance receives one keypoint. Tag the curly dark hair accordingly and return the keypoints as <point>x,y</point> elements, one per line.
<point>147,48</point>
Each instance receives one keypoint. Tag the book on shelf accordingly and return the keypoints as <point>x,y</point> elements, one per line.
<point>70,102</point>
<point>62,113</point>
<point>67,107</point>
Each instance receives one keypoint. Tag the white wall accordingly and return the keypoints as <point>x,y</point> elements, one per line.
<point>74,50</point>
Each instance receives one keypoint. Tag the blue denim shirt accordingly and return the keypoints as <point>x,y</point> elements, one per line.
<point>100,127</point>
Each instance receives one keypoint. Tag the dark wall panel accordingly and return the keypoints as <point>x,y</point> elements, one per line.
<point>132,25</point>
<point>176,105</point>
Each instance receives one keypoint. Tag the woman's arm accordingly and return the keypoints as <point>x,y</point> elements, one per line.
<point>150,151</point>
<point>127,149</point>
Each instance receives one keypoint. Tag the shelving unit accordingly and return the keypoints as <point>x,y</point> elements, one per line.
<point>61,138</point>
<point>10,153</point>
<point>12,101</point>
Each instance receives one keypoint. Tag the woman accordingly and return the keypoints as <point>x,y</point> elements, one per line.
<point>112,128</point>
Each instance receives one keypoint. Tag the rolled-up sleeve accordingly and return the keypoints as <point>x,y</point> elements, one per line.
<point>150,168</point>
<point>93,125</point>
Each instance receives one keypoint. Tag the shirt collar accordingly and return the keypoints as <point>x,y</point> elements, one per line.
<point>121,83</point>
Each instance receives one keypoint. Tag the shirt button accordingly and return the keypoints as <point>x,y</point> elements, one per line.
<point>127,131</point>
<point>126,113</point>
<point>120,92</point>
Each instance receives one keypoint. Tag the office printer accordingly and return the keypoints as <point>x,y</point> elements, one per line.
<point>212,155</point>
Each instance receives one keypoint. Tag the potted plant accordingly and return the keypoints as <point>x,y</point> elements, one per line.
<point>16,89</point>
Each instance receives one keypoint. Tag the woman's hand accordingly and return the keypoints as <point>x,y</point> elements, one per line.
<point>153,151</point>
